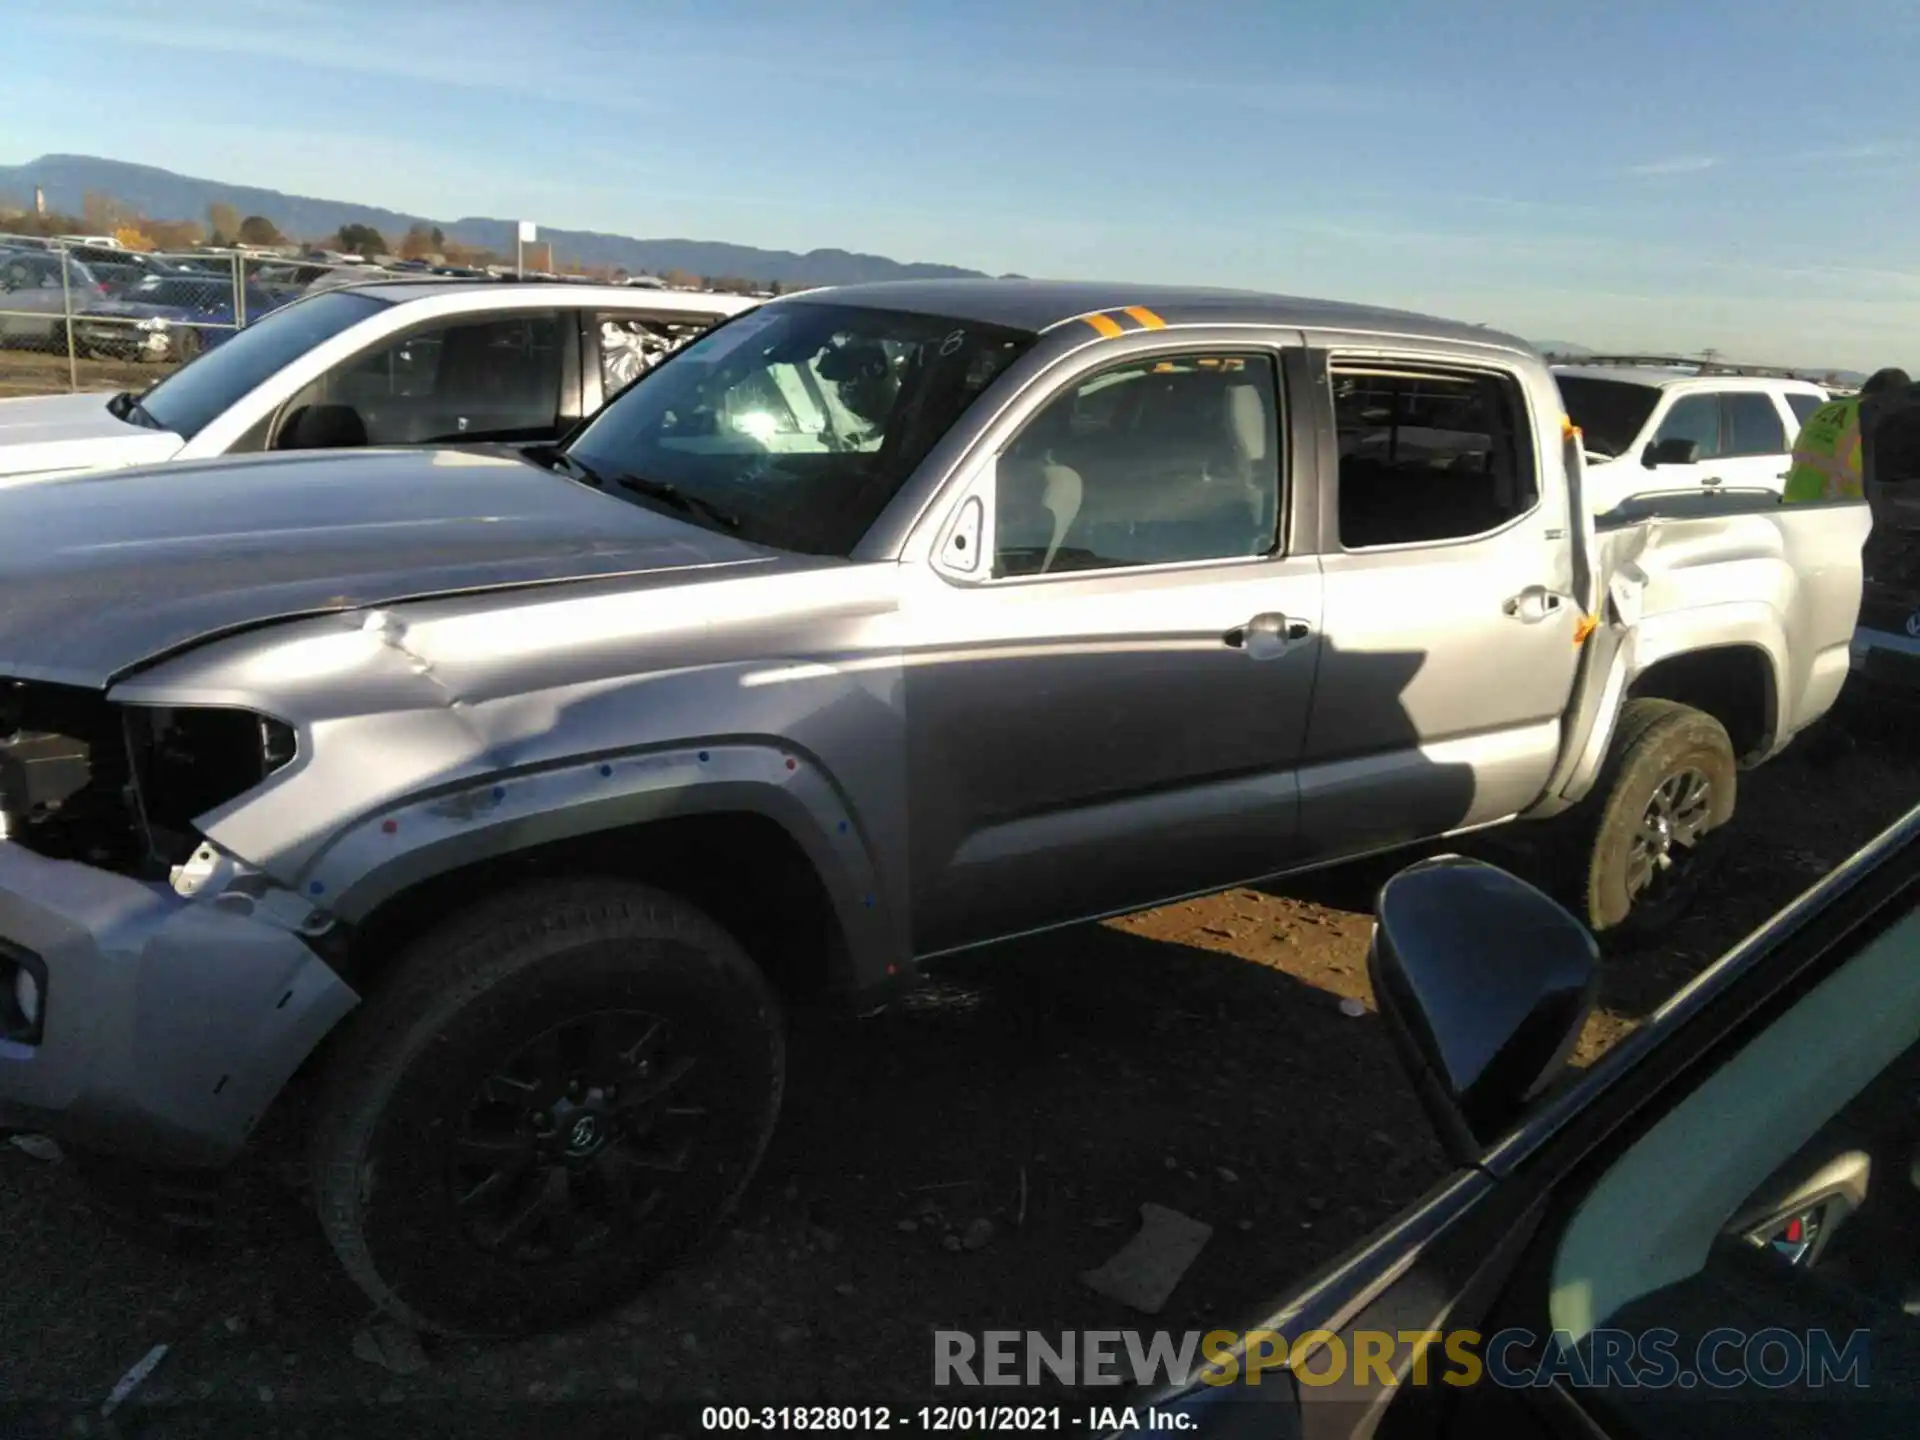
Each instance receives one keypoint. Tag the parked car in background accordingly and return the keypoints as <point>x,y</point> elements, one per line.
<point>332,277</point>
<point>1654,431</point>
<point>38,289</point>
<point>119,267</point>
<point>875,625</point>
<point>1714,1231</point>
<point>399,362</point>
<point>170,317</point>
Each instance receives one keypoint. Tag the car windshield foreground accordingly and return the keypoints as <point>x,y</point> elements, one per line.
<point>795,425</point>
<point>1608,412</point>
<point>196,394</point>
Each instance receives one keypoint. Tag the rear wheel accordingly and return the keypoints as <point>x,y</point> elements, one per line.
<point>1669,783</point>
<point>557,1096</point>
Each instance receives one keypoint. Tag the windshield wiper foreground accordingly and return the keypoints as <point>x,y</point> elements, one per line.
<point>673,495</point>
<point>679,499</point>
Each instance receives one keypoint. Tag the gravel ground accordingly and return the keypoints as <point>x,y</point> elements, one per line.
<point>955,1160</point>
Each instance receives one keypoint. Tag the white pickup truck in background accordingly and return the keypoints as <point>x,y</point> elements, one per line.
<point>405,361</point>
<point>1657,430</point>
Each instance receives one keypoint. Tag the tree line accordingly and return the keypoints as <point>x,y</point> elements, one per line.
<point>224,225</point>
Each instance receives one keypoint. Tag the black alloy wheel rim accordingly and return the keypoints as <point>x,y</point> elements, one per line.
<point>575,1140</point>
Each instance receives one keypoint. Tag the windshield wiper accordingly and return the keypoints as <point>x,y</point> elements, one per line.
<point>679,499</point>
<point>126,406</point>
<point>653,489</point>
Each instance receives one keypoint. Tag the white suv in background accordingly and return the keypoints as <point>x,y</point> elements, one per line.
<point>1660,431</point>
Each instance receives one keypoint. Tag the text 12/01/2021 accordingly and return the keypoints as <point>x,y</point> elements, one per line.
<point>944,1419</point>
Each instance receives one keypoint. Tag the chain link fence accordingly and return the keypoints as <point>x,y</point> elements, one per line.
<point>83,317</point>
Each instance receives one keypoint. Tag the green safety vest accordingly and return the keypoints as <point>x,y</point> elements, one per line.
<point>1826,456</point>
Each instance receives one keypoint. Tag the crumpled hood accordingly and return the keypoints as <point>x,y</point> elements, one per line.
<point>102,573</point>
<point>47,434</point>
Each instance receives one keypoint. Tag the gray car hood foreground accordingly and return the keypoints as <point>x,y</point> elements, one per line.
<point>102,573</point>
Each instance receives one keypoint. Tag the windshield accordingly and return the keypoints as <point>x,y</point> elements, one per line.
<point>800,420</point>
<point>190,398</point>
<point>1610,413</point>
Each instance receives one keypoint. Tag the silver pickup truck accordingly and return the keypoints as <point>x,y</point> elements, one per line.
<point>506,796</point>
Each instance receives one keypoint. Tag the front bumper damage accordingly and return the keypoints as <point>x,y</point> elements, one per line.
<point>168,1024</point>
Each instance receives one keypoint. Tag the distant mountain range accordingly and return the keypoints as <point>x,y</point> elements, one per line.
<point>163,195</point>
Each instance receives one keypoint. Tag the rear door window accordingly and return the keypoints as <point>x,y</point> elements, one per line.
<point>1803,406</point>
<point>1753,424</point>
<point>1429,455</point>
<point>631,345</point>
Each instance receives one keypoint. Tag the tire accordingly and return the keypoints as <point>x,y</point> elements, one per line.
<point>183,346</point>
<point>1662,751</point>
<point>452,1077</point>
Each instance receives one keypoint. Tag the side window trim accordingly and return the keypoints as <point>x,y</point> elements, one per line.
<point>569,323</point>
<point>1279,359</point>
<point>1528,448</point>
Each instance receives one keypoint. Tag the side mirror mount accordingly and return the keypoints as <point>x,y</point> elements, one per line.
<point>1672,451</point>
<point>960,551</point>
<point>963,553</point>
<point>1485,984</point>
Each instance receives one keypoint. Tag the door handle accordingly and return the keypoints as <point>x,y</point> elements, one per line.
<point>1266,635</point>
<point>1710,480</point>
<point>1533,604</point>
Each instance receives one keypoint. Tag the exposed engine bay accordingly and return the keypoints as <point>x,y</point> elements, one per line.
<point>119,786</point>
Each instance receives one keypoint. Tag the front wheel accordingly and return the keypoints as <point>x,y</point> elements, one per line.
<point>559,1094</point>
<point>1669,783</point>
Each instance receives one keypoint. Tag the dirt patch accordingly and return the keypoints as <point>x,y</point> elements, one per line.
<point>32,372</point>
<point>956,1160</point>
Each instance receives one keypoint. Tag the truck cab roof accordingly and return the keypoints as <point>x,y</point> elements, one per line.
<point>1043,305</point>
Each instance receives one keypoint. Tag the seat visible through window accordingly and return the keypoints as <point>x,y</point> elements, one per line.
<point>1158,463</point>
<point>1428,457</point>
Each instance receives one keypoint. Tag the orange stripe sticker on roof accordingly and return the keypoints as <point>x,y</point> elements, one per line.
<point>1105,324</point>
<point>1146,317</point>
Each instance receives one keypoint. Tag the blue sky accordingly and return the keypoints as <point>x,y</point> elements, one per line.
<point>1742,174</point>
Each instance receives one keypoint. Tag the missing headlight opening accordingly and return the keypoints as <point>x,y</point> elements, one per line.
<point>120,786</point>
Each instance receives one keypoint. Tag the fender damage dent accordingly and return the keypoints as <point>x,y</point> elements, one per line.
<point>395,848</point>
<point>436,737</point>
